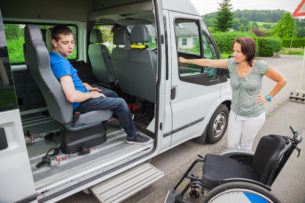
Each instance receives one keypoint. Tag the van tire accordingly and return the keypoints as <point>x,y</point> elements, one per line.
<point>218,120</point>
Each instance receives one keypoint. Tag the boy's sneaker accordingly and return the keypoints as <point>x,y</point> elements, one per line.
<point>138,139</point>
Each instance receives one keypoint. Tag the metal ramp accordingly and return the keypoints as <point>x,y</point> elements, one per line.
<point>126,184</point>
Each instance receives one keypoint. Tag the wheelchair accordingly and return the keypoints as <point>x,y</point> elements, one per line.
<point>237,176</point>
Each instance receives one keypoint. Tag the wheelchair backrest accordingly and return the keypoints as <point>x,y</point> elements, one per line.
<point>268,155</point>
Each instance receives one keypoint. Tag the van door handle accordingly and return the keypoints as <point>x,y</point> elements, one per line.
<point>3,140</point>
<point>173,92</point>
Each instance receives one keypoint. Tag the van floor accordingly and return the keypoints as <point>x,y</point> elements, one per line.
<point>66,168</point>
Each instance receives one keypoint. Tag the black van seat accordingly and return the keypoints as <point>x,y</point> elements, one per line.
<point>100,58</point>
<point>88,129</point>
<point>119,54</point>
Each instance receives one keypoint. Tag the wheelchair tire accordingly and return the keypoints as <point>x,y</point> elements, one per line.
<point>238,191</point>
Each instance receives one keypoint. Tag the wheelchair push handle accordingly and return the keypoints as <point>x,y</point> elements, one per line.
<point>296,138</point>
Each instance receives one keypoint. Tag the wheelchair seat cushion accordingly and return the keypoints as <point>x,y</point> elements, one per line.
<point>217,169</point>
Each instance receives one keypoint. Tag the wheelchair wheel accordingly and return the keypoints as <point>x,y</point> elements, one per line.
<point>240,192</point>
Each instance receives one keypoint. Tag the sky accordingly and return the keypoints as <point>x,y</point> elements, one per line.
<point>208,6</point>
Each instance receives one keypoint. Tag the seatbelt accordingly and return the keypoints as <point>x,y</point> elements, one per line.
<point>75,118</point>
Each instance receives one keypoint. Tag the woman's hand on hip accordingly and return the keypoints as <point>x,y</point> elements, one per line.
<point>261,100</point>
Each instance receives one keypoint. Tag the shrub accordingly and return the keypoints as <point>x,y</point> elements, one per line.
<point>296,42</point>
<point>293,51</point>
<point>224,40</point>
<point>15,50</point>
<point>269,45</point>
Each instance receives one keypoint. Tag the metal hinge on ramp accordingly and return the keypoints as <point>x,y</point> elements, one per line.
<point>126,184</point>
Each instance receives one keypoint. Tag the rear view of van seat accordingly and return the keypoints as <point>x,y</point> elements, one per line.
<point>99,57</point>
<point>120,53</point>
<point>136,70</point>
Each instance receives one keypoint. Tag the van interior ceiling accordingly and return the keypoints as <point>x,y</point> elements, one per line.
<point>133,68</point>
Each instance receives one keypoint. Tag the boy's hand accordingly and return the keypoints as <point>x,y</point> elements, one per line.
<point>95,89</point>
<point>90,88</point>
<point>96,94</point>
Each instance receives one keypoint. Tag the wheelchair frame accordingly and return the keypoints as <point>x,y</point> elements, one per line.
<point>262,190</point>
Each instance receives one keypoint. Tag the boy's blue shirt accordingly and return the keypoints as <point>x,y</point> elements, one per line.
<point>60,67</point>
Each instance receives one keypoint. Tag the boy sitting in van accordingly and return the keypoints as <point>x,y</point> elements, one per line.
<point>84,97</point>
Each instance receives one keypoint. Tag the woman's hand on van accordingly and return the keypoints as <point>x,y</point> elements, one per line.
<point>182,60</point>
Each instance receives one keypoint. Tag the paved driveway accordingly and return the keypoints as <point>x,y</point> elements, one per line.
<point>289,187</point>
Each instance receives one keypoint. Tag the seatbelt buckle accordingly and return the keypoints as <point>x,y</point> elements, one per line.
<point>75,118</point>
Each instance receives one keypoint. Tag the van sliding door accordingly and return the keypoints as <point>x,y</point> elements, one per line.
<point>195,89</point>
<point>16,181</point>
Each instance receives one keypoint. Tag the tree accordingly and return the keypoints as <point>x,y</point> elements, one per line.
<point>285,27</point>
<point>236,24</point>
<point>254,26</point>
<point>224,18</point>
<point>300,27</point>
<point>245,25</point>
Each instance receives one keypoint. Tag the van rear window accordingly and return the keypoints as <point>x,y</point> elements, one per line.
<point>15,39</point>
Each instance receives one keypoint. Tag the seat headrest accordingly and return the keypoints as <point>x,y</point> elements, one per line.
<point>139,34</point>
<point>32,36</point>
<point>121,37</point>
<point>49,38</point>
<point>96,36</point>
<point>33,32</point>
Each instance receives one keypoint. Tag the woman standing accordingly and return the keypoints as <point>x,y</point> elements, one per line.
<point>247,114</point>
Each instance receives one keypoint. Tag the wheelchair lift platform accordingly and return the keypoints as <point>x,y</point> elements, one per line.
<point>126,184</point>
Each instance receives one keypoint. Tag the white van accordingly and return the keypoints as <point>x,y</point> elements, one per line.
<point>138,58</point>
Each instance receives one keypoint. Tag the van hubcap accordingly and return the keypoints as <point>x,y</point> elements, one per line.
<point>219,124</point>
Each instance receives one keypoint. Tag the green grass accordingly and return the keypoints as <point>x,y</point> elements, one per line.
<point>262,23</point>
<point>292,51</point>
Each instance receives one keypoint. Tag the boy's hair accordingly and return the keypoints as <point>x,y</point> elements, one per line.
<point>60,29</point>
<point>247,48</point>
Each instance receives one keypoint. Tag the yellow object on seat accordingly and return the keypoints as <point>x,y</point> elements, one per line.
<point>138,46</point>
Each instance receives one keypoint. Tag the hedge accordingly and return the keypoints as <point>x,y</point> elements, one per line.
<point>269,45</point>
<point>296,42</point>
<point>265,46</point>
<point>224,40</point>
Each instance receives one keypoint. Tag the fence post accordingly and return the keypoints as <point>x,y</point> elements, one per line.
<point>298,95</point>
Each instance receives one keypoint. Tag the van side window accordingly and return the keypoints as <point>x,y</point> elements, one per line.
<point>7,93</point>
<point>209,53</point>
<point>15,40</point>
<point>194,43</point>
<point>107,35</point>
<point>187,37</point>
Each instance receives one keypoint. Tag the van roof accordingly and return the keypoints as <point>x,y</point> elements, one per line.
<point>69,10</point>
<point>184,6</point>
<point>77,10</point>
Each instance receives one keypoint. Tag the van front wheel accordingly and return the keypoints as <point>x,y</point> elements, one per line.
<point>217,126</point>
